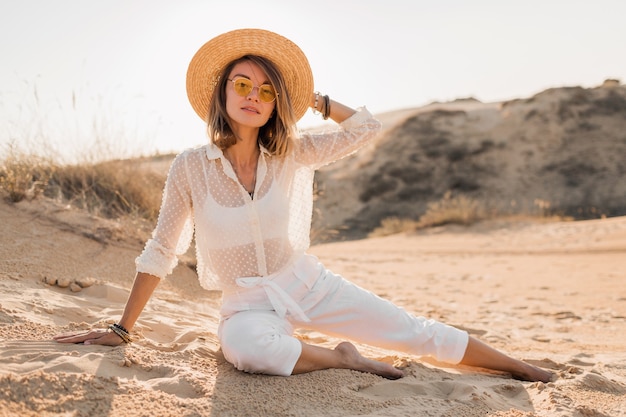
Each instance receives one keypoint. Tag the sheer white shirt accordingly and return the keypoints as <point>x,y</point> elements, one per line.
<point>237,235</point>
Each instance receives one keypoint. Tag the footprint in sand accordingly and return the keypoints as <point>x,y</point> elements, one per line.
<point>576,360</point>
<point>600,383</point>
<point>6,318</point>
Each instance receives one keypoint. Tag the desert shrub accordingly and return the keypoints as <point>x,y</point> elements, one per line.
<point>453,210</point>
<point>587,127</point>
<point>434,147</point>
<point>413,192</point>
<point>393,225</point>
<point>377,186</point>
<point>446,113</point>
<point>409,173</point>
<point>565,111</point>
<point>465,184</point>
<point>449,210</point>
<point>532,113</point>
<point>517,101</point>
<point>461,151</point>
<point>108,189</point>
<point>24,176</point>
<point>613,103</point>
<point>573,172</point>
<point>417,125</point>
<point>485,145</point>
<point>457,153</point>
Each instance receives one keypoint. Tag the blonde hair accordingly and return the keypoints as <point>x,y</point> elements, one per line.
<point>277,135</point>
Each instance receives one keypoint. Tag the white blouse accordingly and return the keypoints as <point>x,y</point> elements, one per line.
<point>236,235</point>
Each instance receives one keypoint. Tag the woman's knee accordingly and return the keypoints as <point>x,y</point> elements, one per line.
<point>258,343</point>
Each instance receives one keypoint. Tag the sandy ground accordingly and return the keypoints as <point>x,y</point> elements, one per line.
<point>552,293</point>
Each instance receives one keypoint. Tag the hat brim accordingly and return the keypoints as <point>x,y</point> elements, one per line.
<point>208,63</point>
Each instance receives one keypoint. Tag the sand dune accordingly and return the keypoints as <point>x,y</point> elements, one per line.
<point>552,293</point>
<point>561,149</point>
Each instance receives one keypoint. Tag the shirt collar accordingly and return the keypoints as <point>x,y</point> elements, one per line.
<point>213,152</point>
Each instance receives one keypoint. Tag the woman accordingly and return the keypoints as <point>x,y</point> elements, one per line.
<point>247,195</point>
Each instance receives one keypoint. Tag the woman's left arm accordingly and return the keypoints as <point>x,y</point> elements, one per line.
<point>356,127</point>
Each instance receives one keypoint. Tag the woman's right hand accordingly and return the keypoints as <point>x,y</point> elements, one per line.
<point>91,337</point>
<point>143,287</point>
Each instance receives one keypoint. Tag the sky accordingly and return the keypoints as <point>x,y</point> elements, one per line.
<point>81,76</point>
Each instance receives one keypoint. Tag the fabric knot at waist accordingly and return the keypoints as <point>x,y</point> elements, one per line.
<point>280,300</point>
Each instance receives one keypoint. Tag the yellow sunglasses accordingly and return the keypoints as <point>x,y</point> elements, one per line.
<point>244,86</point>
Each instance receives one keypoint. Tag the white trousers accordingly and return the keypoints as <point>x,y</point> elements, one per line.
<point>257,325</point>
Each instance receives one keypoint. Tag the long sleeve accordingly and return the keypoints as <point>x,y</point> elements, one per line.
<point>174,231</point>
<point>319,149</point>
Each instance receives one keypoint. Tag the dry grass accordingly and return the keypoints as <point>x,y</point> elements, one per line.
<point>24,176</point>
<point>449,210</point>
<point>465,211</point>
<point>108,189</point>
<point>453,210</point>
<point>394,225</point>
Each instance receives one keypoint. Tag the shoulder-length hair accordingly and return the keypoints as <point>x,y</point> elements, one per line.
<point>277,135</point>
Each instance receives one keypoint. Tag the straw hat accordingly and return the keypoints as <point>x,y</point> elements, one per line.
<point>211,59</point>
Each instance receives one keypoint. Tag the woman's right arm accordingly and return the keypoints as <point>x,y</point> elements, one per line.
<point>143,287</point>
<point>170,238</point>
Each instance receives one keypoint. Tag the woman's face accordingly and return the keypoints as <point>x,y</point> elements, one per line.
<point>249,110</point>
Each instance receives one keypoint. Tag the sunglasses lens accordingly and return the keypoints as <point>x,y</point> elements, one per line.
<point>242,86</point>
<point>267,93</point>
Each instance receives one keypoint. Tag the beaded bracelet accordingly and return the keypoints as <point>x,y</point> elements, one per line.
<point>317,96</point>
<point>325,102</point>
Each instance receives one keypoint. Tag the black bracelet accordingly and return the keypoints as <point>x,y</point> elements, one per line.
<point>326,107</point>
<point>119,326</point>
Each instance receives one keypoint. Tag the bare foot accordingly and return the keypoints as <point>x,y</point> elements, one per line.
<point>528,372</point>
<point>352,359</point>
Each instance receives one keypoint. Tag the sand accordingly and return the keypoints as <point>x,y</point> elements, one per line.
<point>552,293</point>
